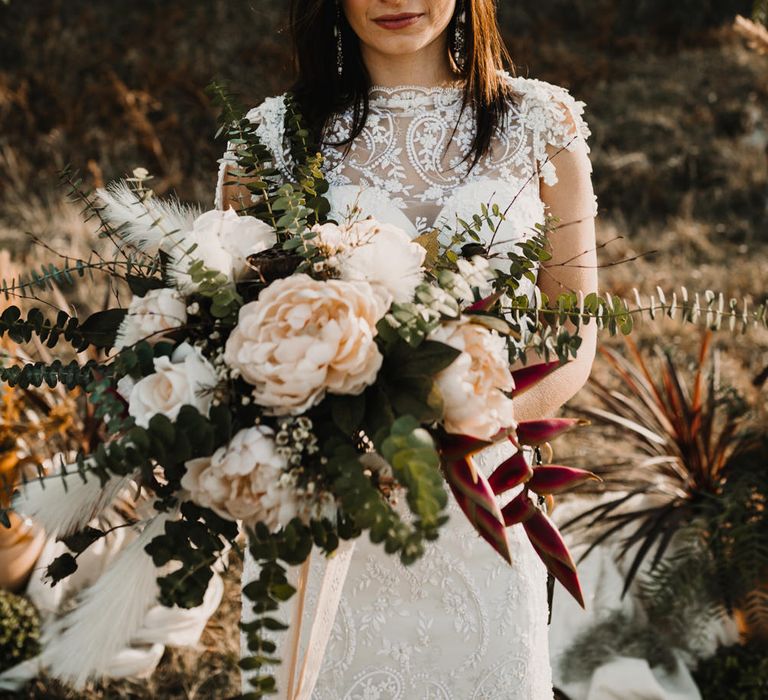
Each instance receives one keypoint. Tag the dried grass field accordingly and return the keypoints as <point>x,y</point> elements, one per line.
<point>679,147</point>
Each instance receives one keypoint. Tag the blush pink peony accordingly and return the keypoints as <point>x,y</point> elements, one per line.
<point>303,338</point>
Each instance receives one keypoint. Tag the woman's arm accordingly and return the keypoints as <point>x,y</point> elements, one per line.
<point>234,193</point>
<point>573,268</point>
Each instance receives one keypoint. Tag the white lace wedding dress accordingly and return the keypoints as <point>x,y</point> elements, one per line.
<point>460,624</point>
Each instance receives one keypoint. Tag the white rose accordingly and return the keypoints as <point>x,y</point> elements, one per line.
<point>185,379</point>
<point>380,254</point>
<point>148,317</point>
<point>303,337</point>
<point>246,480</point>
<point>125,386</point>
<point>222,240</point>
<point>473,386</point>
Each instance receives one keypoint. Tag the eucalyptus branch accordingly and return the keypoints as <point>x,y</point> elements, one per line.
<point>615,313</point>
<point>66,274</point>
<point>77,194</point>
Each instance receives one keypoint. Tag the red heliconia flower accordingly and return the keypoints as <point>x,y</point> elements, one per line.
<point>537,432</point>
<point>519,509</point>
<point>510,473</point>
<point>554,478</point>
<point>529,376</point>
<point>476,495</point>
<point>472,490</point>
<point>563,573</point>
<point>485,304</point>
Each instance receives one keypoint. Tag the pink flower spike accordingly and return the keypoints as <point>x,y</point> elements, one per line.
<point>567,577</point>
<point>476,499</point>
<point>518,510</point>
<point>531,375</point>
<point>510,473</point>
<point>537,432</point>
<point>543,532</point>
<point>485,304</point>
<point>453,447</point>
<point>554,478</point>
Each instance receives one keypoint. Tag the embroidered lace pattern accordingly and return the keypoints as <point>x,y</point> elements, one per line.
<point>460,624</point>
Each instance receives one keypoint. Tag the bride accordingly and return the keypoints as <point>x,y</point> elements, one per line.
<point>419,124</point>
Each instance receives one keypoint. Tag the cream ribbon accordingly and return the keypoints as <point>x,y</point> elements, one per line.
<point>300,686</point>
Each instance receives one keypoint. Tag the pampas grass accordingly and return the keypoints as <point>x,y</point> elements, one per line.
<point>143,221</point>
<point>83,643</point>
<point>65,503</point>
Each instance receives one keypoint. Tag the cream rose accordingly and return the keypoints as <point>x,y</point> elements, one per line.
<point>380,254</point>
<point>222,240</point>
<point>473,385</point>
<point>246,480</point>
<point>303,337</point>
<point>185,379</point>
<point>148,317</point>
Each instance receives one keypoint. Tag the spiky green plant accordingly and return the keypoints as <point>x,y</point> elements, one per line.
<point>689,441</point>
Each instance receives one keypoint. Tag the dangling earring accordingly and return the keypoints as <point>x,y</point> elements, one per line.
<point>460,38</point>
<point>339,45</point>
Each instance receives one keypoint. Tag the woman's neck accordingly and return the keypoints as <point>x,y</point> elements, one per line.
<point>428,67</point>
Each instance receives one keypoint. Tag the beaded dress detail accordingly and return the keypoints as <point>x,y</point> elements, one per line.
<point>459,624</point>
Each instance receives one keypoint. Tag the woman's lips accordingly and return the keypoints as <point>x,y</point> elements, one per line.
<point>397,21</point>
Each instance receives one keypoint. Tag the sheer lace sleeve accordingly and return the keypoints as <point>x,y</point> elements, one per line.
<point>269,117</point>
<point>555,118</point>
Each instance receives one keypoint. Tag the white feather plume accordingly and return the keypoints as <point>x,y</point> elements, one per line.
<point>83,644</point>
<point>148,223</point>
<point>63,503</point>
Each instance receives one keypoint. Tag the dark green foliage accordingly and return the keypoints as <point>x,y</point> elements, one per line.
<point>411,452</point>
<point>72,375</point>
<point>738,672</point>
<point>60,568</point>
<point>19,630</point>
<point>98,330</point>
<point>406,380</point>
<point>196,541</point>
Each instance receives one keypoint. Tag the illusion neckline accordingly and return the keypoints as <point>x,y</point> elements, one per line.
<point>414,96</point>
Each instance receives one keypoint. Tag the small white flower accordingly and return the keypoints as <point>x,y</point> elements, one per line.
<point>185,379</point>
<point>148,317</point>
<point>477,272</point>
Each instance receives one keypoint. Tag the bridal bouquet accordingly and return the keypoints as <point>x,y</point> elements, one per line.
<point>298,375</point>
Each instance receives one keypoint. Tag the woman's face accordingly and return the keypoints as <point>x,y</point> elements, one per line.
<point>398,27</point>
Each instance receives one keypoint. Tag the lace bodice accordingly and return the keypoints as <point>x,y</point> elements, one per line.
<point>410,164</point>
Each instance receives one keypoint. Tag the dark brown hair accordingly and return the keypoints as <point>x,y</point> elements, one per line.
<point>321,92</point>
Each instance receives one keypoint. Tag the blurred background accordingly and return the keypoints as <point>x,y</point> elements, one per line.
<point>677,100</point>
